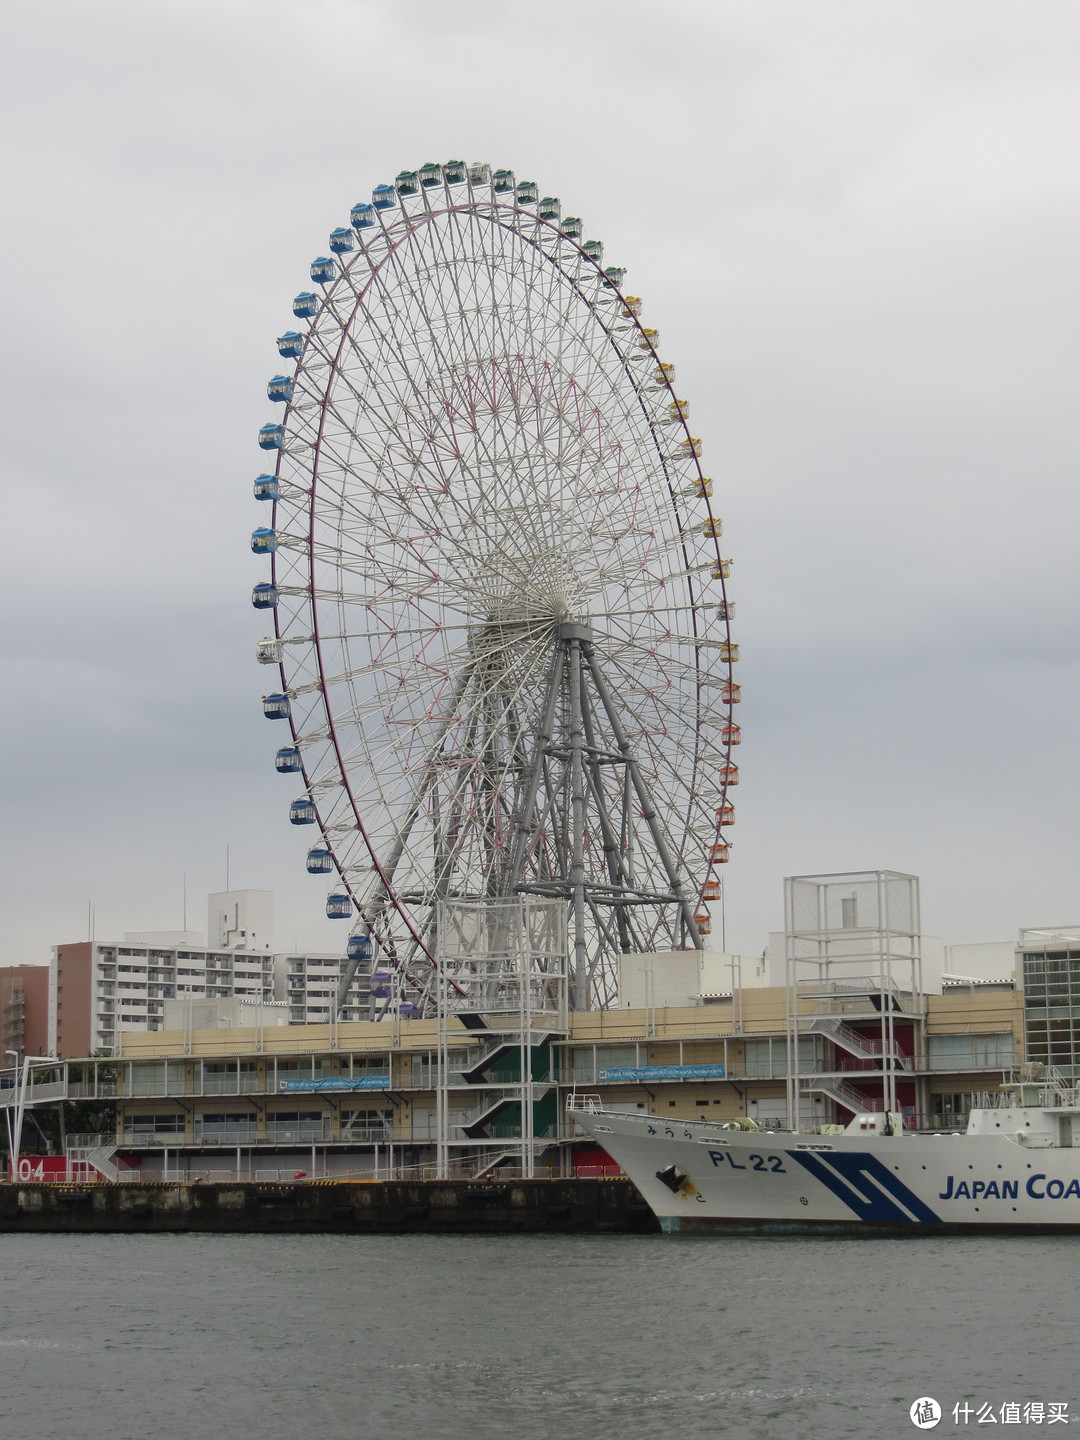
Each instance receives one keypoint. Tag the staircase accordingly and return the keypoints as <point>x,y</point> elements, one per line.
<point>477,1074</point>
<point>864,1047</point>
<point>843,1093</point>
<point>488,1164</point>
<point>97,1151</point>
<point>477,1129</point>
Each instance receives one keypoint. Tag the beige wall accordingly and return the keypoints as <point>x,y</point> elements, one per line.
<point>699,1027</point>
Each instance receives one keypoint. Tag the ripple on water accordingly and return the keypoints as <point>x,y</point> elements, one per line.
<point>518,1338</point>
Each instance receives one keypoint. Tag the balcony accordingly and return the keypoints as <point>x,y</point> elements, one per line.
<point>225,1135</point>
<point>230,1084</point>
<point>151,1139</point>
<point>367,1134</point>
<point>88,1090</point>
<point>303,1133</point>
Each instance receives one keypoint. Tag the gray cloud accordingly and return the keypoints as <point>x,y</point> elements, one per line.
<point>856,229</point>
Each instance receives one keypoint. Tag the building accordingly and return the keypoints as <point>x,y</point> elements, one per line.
<point>309,984</point>
<point>24,1011</point>
<point>361,1097</point>
<point>240,920</point>
<point>100,989</point>
<point>686,977</point>
<point>1048,960</point>
<point>96,991</point>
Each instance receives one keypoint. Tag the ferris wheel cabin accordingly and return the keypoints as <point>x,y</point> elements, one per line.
<point>319,861</point>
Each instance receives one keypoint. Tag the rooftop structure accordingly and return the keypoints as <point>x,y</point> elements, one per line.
<point>854,977</point>
<point>240,920</point>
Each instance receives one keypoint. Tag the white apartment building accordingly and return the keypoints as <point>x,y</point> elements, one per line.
<point>98,990</point>
<point>309,984</point>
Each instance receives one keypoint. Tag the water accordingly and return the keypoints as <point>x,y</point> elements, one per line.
<point>524,1338</point>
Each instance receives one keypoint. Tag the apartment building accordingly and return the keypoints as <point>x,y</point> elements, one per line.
<point>99,991</point>
<point>24,1011</point>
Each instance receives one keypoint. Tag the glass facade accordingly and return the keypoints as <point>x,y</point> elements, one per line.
<point>971,1052</point>
<point>1052,1008</point>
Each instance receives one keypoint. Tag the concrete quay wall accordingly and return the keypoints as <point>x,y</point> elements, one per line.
<point>384,1207</point>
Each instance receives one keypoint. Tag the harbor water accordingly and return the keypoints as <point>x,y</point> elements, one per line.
<point>180,1337</point>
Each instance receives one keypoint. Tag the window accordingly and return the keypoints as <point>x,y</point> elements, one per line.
<point>149,1079</point>
<point>239,1121</point>
<point>971,1052</point>
<point>768,1058</point>
<point>298,1125</point>
<point>379,1063</point>
<point>366,1124</point>
<point>136,1125</point>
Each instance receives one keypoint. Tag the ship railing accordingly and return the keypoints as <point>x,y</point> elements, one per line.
<point>1048,1090</point>
<point>591,1104</point>
<point>594,1105</point>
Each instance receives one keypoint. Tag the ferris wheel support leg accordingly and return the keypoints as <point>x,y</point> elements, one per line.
<point>577,855</point>
<point>426,777</point>
<point>648,809</point>
<point>524,820</point>
<point>607,828</point>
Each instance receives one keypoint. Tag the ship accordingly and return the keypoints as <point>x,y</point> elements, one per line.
<point>1016,1168</point>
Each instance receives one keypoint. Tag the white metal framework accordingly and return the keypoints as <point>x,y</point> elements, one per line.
<point>502,981</point>
<point>854,980</point>
<point>501,620</point>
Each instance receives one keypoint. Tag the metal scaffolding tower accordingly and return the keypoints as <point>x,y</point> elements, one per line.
<point>503,999</point>
<point>854,978</point>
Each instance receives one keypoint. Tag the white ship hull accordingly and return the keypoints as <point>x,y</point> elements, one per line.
<point>1007,1175</point>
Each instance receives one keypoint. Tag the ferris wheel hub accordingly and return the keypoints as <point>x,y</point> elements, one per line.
<point>575,630</point>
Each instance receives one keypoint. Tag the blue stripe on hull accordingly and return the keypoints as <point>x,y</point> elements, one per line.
<point>862,1182</point>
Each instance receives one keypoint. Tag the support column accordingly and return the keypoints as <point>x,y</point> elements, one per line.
<point>648,809</point>
<point>524,819</point>
<point>577,800</point>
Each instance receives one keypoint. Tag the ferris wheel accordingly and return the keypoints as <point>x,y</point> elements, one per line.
<point>500,611</point>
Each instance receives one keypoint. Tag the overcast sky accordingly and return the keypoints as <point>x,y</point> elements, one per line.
<point>857,228</point>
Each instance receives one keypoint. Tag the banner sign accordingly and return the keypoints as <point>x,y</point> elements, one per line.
<point>379,1080</point>
<point>662,1072</point>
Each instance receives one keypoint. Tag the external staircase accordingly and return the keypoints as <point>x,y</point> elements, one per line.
<point>863,1047</point>
<point>843,1093</point>
<point>97,1151</point>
